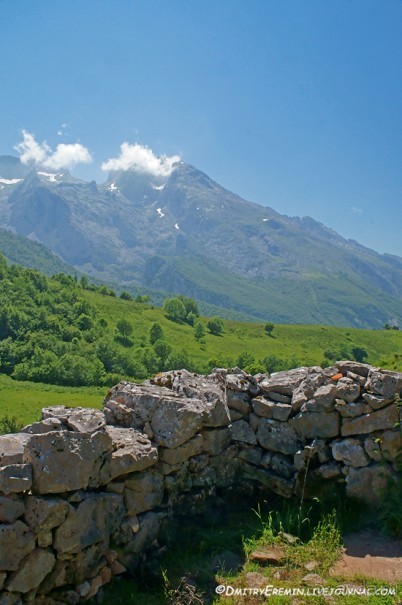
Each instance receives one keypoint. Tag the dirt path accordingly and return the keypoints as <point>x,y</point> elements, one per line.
<point>371,554</point>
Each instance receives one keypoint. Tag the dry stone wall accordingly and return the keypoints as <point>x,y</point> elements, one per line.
<point>84,493</point>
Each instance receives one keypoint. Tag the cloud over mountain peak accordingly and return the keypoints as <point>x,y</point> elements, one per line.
<point>66,155</point>
<point>141,158</point>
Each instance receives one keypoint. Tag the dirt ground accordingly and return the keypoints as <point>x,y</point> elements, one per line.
<point>371,554</point>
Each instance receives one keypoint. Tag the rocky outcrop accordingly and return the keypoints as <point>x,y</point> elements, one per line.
<point>84,493</point>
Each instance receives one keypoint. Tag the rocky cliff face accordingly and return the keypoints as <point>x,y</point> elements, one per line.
<point>84,493</point>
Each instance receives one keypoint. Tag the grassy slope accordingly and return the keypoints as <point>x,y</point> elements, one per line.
<point>26,399</point>
<point>305,342</point>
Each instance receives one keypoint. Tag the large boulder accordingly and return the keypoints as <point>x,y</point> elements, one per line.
<point>143,491</point>
<point>43,514</point>
<point>16,542</point>
<point>15,478</point>
<point>385,418</point>
<point>12,448</point>
<point>32,571</point>
<point>367,483</point>
<point>284,382</point>
<point>94,520</point>
<point>63,461</point>
<point>132,451</point>
<point>350,452</point>
<point>384,382</point>
<point>277,436</point>
<point>175,421</point>
<point>315,424</point>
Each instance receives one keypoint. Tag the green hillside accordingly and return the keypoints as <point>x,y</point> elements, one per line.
<point>23,251</point>
<point>58,331</point>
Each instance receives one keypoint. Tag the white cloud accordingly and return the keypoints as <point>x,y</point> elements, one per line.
<point>357,210</point>
<point>140,158</point>
<point>30,151</point>
<point>68,156</point>
<point>64,156</point>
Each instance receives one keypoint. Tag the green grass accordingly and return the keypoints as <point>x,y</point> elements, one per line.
<point>307,343</point>
<point>24,400</point>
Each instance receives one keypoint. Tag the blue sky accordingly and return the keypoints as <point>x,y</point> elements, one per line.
<point>294,104</point>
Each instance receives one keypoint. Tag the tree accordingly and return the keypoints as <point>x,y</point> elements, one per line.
<point>126,296</point>
<point>190,305</point>
<point>174,309</point>
<point>245,359</point>
<point>359,354</point>
<point>163,350</point>
<point>215,326</point>
<point>269,328</point>
<point>155,332</point>
<point>199,330</point>
<point>124,328</point>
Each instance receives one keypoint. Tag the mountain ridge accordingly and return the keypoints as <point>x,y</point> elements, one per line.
<point>188,234</point>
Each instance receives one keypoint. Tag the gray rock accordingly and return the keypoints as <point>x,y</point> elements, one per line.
<point>280,397</point>
<point>12,448</point>
<point>43,426</point>
<point>376,421</point>
<point>92,521</point>
<point>348,390</point>
<point>216,440</point>
<point>132,405</point>
<point>32,571</point>
<point>351,410</point>
<point>15,478</point>
<point>330,470</point>
<point>150,525</point>
<point>235,415</point>
<point>266,459</point>
<point>282,412</point>
<point>323,400</point>
<point>263,407</point>
<point>238,401</point>
<point>65,461</point>
<point>277,436</point>
<point>284,382</point>
<point>176,421</point>
<point>388,447</point>
<point>11,507</point>
<point>350,451</point>
<point>314,424</point>
<point>384,382</point>
<point>376,402</point>
<point>193,447</point>
<point>239,382</point>
<point>43,514</point>
<point>132,451</point>
<point>251,454</point>
<point>362,369</point>
<point>282,465</point>
<point>367,483</point>
<point>143,492</point>
<point>279,485</point>
<point>16,542</point>
<point>242,431</point>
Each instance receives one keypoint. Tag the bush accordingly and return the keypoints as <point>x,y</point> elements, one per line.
<point>215,326</point>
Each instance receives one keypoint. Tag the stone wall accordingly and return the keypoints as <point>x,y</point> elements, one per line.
<point>85,493</point>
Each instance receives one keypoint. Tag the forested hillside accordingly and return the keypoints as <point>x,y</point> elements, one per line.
<point>67,332</point>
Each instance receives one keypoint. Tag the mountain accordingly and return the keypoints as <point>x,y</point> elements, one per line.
<point>185,233</point>
<point>23,251</point>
